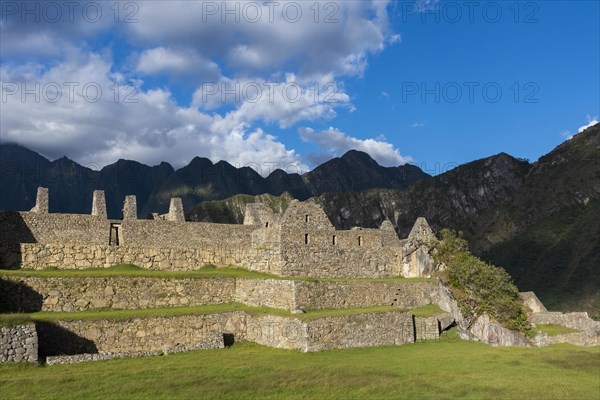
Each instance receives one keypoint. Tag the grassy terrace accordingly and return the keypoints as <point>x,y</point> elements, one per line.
<point>129,270</point>
<point>447,369</point>
<point>119,315</point>
<point>555,330</point>
<point>427,311</point>
<point>208,271</point>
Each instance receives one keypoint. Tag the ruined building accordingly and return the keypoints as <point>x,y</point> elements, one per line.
<point>302,262</point>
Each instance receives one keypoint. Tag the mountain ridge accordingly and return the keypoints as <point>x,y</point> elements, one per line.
<point>72,184</point>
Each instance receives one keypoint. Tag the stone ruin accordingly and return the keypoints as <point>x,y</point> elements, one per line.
<point>301,243</point>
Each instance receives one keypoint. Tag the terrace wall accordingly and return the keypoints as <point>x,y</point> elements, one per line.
<point>30,294</point>
<point>78,294</point>
<point>348,294</point>
<point>136,335</point>
<point>18,343</point>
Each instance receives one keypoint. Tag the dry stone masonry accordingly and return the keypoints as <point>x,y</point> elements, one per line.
<point>313,266</point>
<point>99,204</point>
<point>18,343</point>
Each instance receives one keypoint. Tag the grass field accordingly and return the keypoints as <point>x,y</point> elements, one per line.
<point>429,370</point>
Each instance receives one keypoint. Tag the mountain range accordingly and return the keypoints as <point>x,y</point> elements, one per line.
<point>540,220</point>
<point>71,185</point>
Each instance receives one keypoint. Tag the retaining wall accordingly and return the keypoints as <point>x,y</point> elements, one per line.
<point>18,343</point>
<point>28,294</point>
<point>78,294</point>
<point>272,293</point>
<point>348,294</point>
<point>136,335</point>
<point>360,330</point>
<point>574,320</point>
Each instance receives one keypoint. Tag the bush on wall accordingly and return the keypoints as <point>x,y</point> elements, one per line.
<point>479,287</point>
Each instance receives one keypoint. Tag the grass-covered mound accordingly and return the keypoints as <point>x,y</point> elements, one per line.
<point>479,287</point>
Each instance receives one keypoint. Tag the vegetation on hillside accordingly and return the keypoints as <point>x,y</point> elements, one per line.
<point>479,287</point>
<point>558,259</point>
<point>231,210</point>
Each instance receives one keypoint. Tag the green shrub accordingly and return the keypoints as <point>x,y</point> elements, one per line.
<point>480,287</point>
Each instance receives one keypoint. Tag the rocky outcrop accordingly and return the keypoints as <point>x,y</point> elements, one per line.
<point>483,328</point>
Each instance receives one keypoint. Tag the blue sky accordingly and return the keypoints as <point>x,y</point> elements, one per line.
<point>436,83</point>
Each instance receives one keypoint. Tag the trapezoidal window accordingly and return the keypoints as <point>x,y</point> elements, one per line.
<point>306,238</point>
<point>114,236</point>
<point>360,241</point>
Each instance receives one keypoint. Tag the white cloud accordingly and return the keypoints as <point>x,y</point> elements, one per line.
<point>591,122</point>
<point>179,39</point>
<point>333,142</point>
<point>150,130</point>
<point>336,40</point>
<point>418,125</point>
<point>160,59</point>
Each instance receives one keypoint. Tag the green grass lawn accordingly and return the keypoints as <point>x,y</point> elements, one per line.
<point>116,315</point>
<point>129,270</point>
<point>208,271</point>
<point>427,370</point>
<point>554,330</point>
<point>427,311</point>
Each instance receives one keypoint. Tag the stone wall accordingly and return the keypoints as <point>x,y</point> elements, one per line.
<point>360,330</point>
<point>138,334</point>
<point>275,331</point>
<point>301,262</point>
<point>266,292</point>
<point>161,233</point>
<point>77,294</point>
<point>333,261</point>
<point>71,255</point>
<point>310,246</point>
<point>574,320</point>
<point>427,328</point>
<point>301,243</point>
<point>585,338</point>
<point>122,292</point>
<point>41,201</point>
<point>18,343</point>
<point>532,302</point>
<point>260,215</point>
<point>160,334</point>
<point>347,294</point>
<point>33,227</point>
